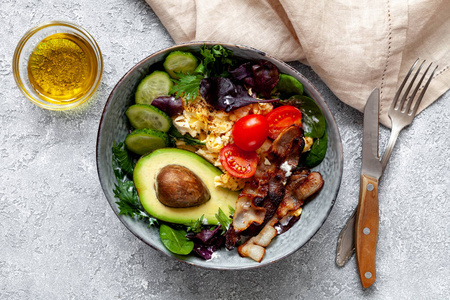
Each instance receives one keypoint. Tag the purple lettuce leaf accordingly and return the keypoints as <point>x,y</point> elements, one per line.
<point>169,104</point>
<point>266,77</point>
<point>223,94</point>
<point>207,241</point>
<point>205,235</point>
<point>244,73</point>
<point>262,76</point>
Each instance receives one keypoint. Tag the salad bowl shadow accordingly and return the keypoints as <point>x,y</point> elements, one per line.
<point>114,127</point>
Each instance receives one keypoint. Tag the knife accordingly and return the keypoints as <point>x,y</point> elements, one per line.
<point>346,241</point>
<point>367,217</point>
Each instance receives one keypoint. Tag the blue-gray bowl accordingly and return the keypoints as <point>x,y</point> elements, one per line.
<point>113,128</point>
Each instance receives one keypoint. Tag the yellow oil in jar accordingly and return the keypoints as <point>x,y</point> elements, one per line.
<point>62,68</point>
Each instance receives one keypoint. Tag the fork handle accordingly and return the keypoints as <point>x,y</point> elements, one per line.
<point>366,230</point>
<point>395,131</point>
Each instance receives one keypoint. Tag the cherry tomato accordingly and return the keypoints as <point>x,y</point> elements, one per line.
<point>237,162</point>
<point>282,117</point>
<point>250,132</point>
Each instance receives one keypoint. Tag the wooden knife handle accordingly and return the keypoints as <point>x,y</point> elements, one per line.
<point>366,230</point>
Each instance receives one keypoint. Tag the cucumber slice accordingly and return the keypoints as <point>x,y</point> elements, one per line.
<point>154,85</point>
<point>180,62</point>
<point>143,141</point>
<point>148,116</point>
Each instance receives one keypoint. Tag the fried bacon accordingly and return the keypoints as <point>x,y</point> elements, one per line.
<point>261,197</point>
<point>273,198</point>
<point>301,186</point>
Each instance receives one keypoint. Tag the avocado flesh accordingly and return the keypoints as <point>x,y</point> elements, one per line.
<point>148,167</point>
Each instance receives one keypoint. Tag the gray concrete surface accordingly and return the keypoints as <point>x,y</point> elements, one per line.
<point>59,239</point>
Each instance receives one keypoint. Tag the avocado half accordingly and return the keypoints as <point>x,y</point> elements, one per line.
<point>148,167</point>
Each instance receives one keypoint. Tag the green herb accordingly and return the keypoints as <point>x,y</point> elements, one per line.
<point>224,220</point>
<point>187,86</point>
<point>175,240</point>
<point>122,158</point>
<point>129,204</point>
<point>124,190</point>
<point>196,226</point>
<point>318,151</point>
<point>216,60</point>
<point>231,210</point>
<point>187,138</point>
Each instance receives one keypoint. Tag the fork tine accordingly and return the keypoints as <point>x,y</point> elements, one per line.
<point>416,106</point>
<point>413,95</point>
<point>401,106</point>
<point>397,95</point>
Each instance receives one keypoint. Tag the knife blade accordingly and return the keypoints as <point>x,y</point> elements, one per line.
<point>346,241</point>
<point>367,216</point>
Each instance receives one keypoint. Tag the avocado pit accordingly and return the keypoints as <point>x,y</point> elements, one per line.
<point>177,186</point>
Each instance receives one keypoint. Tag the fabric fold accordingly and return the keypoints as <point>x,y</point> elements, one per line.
<point>354,46</point>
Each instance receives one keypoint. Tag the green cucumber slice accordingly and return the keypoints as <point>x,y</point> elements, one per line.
<point>180,62</point>
<point>148,116</point>
<point>143,141</point>
<point>154,85</point>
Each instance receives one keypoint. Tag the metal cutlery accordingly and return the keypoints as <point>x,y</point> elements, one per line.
<point>401,112</point>
<point>366,222</point>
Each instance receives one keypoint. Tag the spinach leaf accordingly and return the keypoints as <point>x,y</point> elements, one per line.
<point>288,86</point>
<point>312,117</point>
<point>317,152</point>
<point>175,240</point>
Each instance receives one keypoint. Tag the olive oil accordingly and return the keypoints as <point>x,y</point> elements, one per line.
<point>62,68</point>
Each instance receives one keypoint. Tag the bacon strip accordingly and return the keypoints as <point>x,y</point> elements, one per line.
<point>301,186</point>
<point>260,198</point>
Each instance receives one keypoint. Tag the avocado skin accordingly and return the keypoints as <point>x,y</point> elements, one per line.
<point>144,177</point>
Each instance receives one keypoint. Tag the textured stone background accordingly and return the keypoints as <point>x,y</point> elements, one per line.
<point>59,239</point>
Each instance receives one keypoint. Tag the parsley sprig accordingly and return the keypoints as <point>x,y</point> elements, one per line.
<point>122,160</point>
<point>124,190</point>
<point>187,86</point>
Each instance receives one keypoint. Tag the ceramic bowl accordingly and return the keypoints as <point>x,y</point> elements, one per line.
<point>114,128</point>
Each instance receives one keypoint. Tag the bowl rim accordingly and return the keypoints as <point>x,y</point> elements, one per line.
<point>311,89</point>
<point>85,35</point>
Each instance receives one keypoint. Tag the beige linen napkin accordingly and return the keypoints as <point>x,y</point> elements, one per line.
<point>353,45</point>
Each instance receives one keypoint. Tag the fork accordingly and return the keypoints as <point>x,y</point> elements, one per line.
<point>402,113</point>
